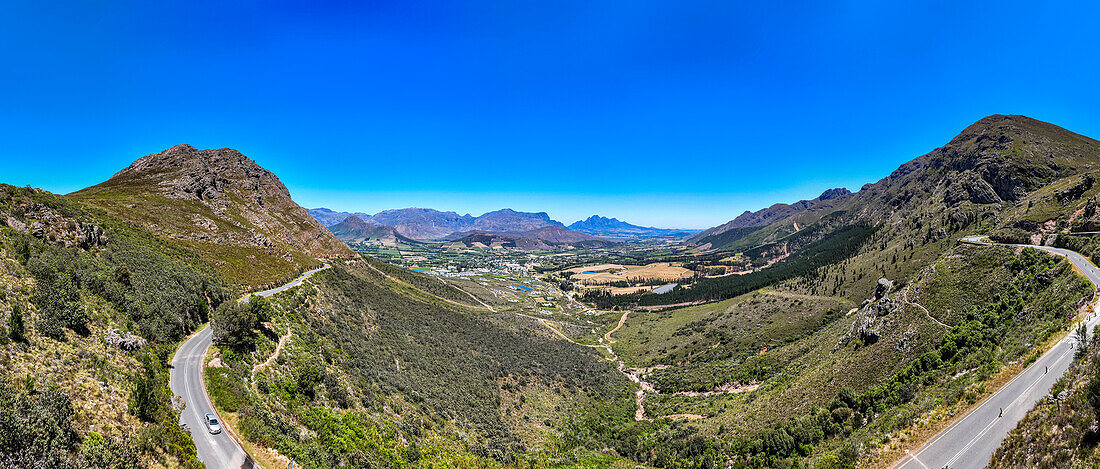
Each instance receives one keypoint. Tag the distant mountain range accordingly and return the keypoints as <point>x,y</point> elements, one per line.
<point>327,217</point>
<point>615,228</point>
<point>426,223</point>
<point>429,224</point>
<point>354,230</point>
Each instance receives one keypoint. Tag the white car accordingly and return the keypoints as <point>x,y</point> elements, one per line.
<point>212,423</point>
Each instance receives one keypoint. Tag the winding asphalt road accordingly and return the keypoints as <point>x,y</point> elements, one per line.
<point>185,379</point>
<point>971,441</point>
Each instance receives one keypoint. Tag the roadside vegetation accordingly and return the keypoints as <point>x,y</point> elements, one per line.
<point>1062,430</point>
<point>93,309</point>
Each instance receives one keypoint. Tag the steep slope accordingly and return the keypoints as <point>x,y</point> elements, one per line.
<point>615,228</point>
<point>354,230</point>
<point>93,306</point>
<point>215,200</point>
<point>725,235</point>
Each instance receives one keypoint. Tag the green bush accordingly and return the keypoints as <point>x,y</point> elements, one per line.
<point>16,329</point>
<point>229,394</point>
<point>234,325</point>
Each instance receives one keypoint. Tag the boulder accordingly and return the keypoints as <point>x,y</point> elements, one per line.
<point>123,340</point>
<point>884,286</point>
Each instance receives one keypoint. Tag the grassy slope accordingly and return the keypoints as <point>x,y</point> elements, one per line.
<point>244,265</point>
<point>812,368</point>
<point>1062,432</point>
<point>134,283</point>
<point>918,223</point>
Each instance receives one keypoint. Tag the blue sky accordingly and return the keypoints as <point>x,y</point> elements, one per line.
<point>672,113</point>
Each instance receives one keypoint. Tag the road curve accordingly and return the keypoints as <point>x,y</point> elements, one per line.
<point>973,438</point>
<point>185,380</point>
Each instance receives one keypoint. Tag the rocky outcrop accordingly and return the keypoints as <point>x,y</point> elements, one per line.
<point>47,225</point>
<point>123,340</point>
<point>834,193</point>
<point>968,186</point>
<point>883,287</point>
<point>245,204</point>
<point>1075,191</point>
<point>873,318</point>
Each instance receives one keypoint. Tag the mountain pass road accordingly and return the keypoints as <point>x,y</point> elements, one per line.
<point>973,438</point>
<point>185,379</point>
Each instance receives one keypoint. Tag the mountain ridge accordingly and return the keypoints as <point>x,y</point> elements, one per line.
<point>354,230</point>
<point>431,224</point>
<point>212,199</point>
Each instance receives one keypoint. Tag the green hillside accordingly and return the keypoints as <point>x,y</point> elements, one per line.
<point>885,361</point>
<point>93,308</point>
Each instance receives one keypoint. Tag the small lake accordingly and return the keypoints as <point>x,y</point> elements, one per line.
<point>664,289</point>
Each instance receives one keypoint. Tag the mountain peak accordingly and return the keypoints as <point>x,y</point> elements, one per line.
<point>834,193</point>
<point>601,220</point>
<point>225,198</point>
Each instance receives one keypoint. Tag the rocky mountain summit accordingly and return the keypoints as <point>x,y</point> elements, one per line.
<point>247,204</point>
<point>222,205</point>
<point>510,221</point>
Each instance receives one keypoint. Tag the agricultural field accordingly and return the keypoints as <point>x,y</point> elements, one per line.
<point>607,274</point>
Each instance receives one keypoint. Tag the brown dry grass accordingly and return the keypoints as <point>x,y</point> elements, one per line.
<point>607,273</point>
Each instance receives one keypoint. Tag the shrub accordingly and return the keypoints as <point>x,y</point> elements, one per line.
<point>15,324</point>
<point>233,325</point>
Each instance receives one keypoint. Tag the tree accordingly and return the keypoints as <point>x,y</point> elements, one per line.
<point>146,397</point>
<point>233,325</point>
<point>16,329</point>
<point>1082,340</point>
<point>261,309</point>
<point>1092,393</point>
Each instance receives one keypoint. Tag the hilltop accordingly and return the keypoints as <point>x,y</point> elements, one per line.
<point>209,200</point>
